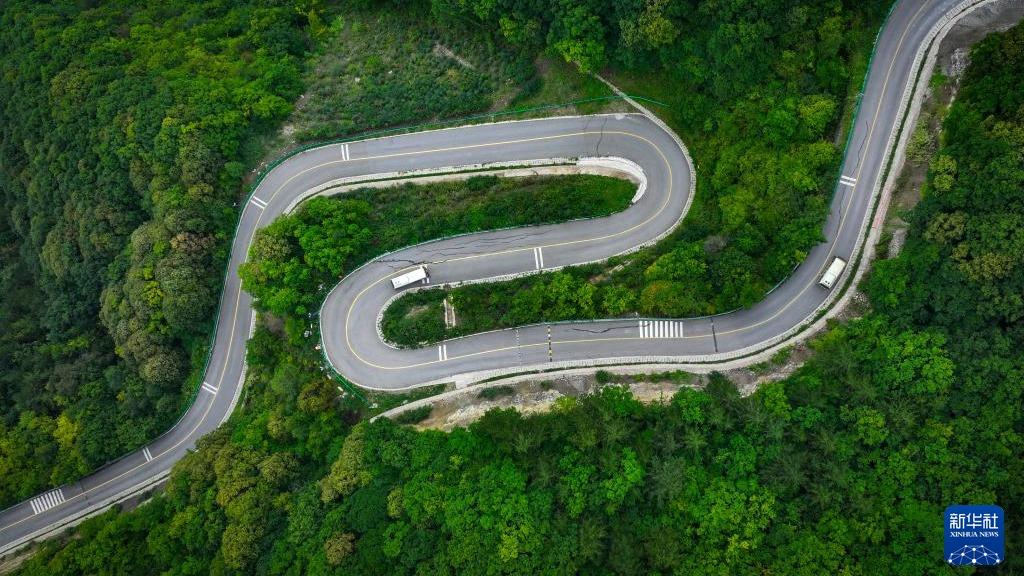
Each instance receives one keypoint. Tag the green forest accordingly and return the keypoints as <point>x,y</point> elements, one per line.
<point>123,128</point>
<point>761,95</point>
<point>129,131</point>
<point>844,467</point>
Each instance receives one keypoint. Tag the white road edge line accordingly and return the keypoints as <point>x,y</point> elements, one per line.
<point>920,53</point>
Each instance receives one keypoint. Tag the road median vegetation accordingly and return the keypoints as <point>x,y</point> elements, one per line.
<point>295,260</point>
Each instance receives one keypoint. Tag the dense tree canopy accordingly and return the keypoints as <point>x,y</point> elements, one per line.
<point>844,467</point>
<point>121,134</point>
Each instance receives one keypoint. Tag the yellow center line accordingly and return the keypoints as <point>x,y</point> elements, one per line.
<point>658,212</point>
<point>846,202</point>
<point>842,221</point>
<point>454,148</point>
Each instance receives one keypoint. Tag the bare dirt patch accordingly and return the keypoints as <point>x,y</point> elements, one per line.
<point>535,394</point>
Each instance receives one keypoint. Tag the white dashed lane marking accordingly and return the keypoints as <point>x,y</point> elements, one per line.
<point>209,388</point>
<point>47,500</point>
<point>661,329</point>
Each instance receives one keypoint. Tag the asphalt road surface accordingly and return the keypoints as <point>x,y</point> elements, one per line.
<point>348,317</point>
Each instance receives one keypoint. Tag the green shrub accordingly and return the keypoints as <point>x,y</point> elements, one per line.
<point>496,392</point>
<point>414,416</point>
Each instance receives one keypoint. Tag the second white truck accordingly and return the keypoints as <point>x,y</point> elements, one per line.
<point>835,269</point>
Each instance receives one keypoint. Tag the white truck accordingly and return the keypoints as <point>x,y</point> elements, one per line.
<point>409,277</point>
<point>835,269</point>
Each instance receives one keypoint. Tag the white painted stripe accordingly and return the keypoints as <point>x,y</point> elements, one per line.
<point>661,329</point>
<point>209,388</point>
<point>146,453</point>
<point>444,348</point>
<point>440,354</point>
<point>259,203</point>
<point>847,180</point>
<point>344,152</point>
<point>47,500</point>
<point>536,260</point>
<point>540,255</point>
<point>640,328</point>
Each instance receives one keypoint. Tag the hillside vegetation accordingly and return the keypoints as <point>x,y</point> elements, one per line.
<point>127,132</point>
<point>121,130</point>
<point>844,467</point>
<point>294,261</point>
<point>760,93</point>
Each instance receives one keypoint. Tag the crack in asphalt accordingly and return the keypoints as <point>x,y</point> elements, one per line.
<point>602,331</point>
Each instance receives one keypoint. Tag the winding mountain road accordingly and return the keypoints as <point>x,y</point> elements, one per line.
<point>349,315</point>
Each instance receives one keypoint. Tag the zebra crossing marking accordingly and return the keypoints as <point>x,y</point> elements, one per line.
<point>442,352</point>
<point>258,203</point>
<point>538,258</point>
<point>209,388</point>
<point>661,329</point>
<point>147,454</point>
<point>344,152</point>
<point>47,500</point>
<point>849,181</point>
